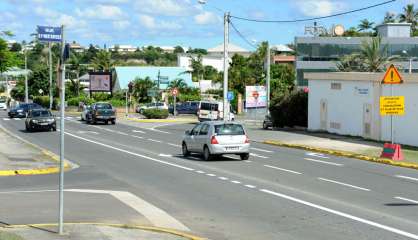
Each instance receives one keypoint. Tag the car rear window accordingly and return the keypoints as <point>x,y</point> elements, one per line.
<point>2,100</point>
<point>44,113</point>
<point>208,106</point>
<point>104,106</point>
<point>229,129</point>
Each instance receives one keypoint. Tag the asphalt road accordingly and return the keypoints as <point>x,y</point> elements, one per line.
<point>279,193</point>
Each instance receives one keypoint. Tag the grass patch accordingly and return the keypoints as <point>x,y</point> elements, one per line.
<point>410,156</point>
<point>9,236</point>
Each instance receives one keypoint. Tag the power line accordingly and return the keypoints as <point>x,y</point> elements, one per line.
<point>242,36</point>
<point>315,18</point>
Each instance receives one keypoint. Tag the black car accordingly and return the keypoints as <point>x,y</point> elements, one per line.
<point>23,109</point>
<point>184,108</point>
<point>101,112</point>
<point>267,123</point>
<point>40,119</point>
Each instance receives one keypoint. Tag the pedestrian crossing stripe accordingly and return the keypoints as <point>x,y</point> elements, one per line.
<point>6,119</point>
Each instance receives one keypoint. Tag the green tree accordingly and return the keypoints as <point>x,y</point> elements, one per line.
<point>7,59</point>
<point>140,88</point>
<point>409,15</point>
<point>200,51</point>
<point>389,18</point>
<point>178,83</point>
<point>197,68</point>
<point>350,63</point>
<point>210,73</point>
<point>39,79</point>
<point>16,47</point>
<point>374,55</point>
<point>76,69</point>
<point>282,79</point>
<point>365,25</point>
<point>178,49</point>
<point>103,61</point>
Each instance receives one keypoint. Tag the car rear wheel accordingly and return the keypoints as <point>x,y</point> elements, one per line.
<point>206,154</point>
<point>185,151</point>
<point>113,122</point>
<point>265,126</point>
<point>244,156</point>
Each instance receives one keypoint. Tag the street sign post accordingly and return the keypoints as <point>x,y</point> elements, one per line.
<point>152,92</point>
<point>231,96</point>
<point>174,92</point>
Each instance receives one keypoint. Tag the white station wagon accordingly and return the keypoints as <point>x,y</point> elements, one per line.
<point>217,138</point>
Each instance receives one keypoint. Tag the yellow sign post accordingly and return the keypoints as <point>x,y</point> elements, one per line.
<point>394,105</point>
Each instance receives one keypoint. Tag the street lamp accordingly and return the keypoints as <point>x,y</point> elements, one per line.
<point>410,60</point>
<point>226,63</point>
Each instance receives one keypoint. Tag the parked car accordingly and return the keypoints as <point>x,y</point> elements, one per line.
<point>101,112</point>
<point>22,110</point>
<point>3,103</point>
<point>40,119</point>
<point>159,105</point>
<point>215,139</point>
<point>86,110</point>
<point>267,123</point>
<point>184,108</point>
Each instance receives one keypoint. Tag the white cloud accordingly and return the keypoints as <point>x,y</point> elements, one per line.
<point>151,24</point>
<point>101,12</point>
<point>205,18</point>
<point>165,7</point>
<point>68,21</point>
<point>120,25</point>
<point>45,12</point>
<point>316,8</point>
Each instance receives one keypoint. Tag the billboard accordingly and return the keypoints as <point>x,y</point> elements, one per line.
<point>100,82</point>
<point>255,96</point>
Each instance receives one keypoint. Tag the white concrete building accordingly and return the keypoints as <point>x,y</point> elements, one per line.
<point>349,104</point>
<point>185,60</point>
<point>123,48</point>
<point>232,50</point>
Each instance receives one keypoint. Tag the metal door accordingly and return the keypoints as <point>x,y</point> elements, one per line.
<point>323,114</point>
<point>367,120</point>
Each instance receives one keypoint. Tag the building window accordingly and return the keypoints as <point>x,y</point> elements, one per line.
<point>335,125</point>
<point>336,86</point>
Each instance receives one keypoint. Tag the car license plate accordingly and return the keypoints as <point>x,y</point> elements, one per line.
<point>44,124</point>
<point>231,148</point>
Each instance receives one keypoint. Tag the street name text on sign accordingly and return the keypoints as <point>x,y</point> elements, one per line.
<point>394,105</point>
<point>49,34</point>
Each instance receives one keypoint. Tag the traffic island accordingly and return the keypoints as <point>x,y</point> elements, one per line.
<point>87,231</point>
<point>19,157</point>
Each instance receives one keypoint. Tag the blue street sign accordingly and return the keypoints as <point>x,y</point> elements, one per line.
<point>49,34</point>
<point>230,96</point>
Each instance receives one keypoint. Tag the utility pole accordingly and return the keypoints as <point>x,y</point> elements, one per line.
<point>26,77</point>
<point>268,78</point>
<point>226,65</point>
<point>62,129</point>
<point>51,97</point>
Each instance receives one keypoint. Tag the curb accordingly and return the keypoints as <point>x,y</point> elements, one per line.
<point>140,227</point>
<point>162,120</point>
<point>35,171</point>
<point>343,154</point>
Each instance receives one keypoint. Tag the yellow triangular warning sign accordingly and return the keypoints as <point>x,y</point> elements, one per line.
<point>392,76</point>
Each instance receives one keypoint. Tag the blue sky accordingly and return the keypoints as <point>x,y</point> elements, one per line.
<point>178,22</point>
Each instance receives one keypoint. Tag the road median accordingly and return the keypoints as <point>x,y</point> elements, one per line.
<point>343,154</point>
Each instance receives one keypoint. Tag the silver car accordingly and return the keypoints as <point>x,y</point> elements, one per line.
<point>217,138</point>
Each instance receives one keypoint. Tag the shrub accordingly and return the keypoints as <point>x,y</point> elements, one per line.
<point>117,102</point>
<point>44,101</point>
<point>156,113</point>
<point>290,110</point>
<point>76,100</point>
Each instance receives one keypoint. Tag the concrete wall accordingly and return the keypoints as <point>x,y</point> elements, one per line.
<point>216,62</point>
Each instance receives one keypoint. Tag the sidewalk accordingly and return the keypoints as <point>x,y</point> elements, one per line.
<point>90,231</point>
<point>355,147</point>
<point>20,158</point>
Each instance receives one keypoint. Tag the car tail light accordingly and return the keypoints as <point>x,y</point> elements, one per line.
<point>213,140</point>
<point>247,140</point>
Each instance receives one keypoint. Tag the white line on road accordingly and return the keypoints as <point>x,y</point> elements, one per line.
<point>174,145</point>
<point>223,178</point>
<point>256,155</point>
<point>137,137</point>
<point>122,133</point>
<point>129,152</point>
<point>313,154</point>
<point>344,184</point>
<point>211,175</point>
<point>406,177</point>
<point>236,182</point>
<point>201,172</point>
<point>138,131</point>
<point>282,169</point>
<point>250,186</point>
<point>17,119</point>
<point>156,130</point>
<point>319,161</point>
<point>153,140</point>
<point>342,214</point>
<point>165,155</point>
<point>406,199</point>
<point>6,119</point>
<point>261,150</point>
<point>155,215</point>
<point>248,161</point>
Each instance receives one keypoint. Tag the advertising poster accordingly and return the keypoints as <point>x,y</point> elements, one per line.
<point>255,97</point>
<point>100,82</point>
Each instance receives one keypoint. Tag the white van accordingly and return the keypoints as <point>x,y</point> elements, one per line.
<point>211,111</point>
<point>3,104</point>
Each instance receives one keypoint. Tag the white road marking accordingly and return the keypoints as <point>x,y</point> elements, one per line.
<point>201,172</point>
<point>28,191</point>
<point>174,145</point>
<point>83,132</point>
<point>17,119</point>
<point>156,130</point>
<point>155,215</point>
<point>223,178</point>
<point>406,177</point>
<point>256,155</point>
<point>137,137</point>
<point>211,175</point>
<point>165,155</point>
<point>153,140</point>
<point>282,169</point>
<point>236,182</point>
<point>344,184</point>
<point>406,199</point>
<point>109,130</point>
<point>122,133</point>
<point>261,150</point>
<point>250,186</point>
<point>131,153</point>
<point>6,119</point>
<point>248,161</point>
<point>313,154</point>
<point>324,162</point>
<point>138,131</point>
<point>342,214</point>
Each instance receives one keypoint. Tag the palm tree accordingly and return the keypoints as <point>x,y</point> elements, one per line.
<point>103,61</point>
<point>389,18</point>
<point>373,55</point>
<point>75,68</point>
<point>365,25</point>
<point>409,15</point>
<point>140,88</point>
<point>178,83</point>
<point>350,63</point>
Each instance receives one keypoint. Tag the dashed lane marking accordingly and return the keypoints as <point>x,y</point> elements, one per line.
<point>139,137</point>
<point>407,200</point>
<point>17,119</point>
<point>6,119</point>
<point>406,177</point>
<point>324,162</point>
<point>344,184</point>
<point>248,161</point>
<point>223,178</point>
<point>138,131</point>
<point>262,150</point>
<point>165,155</point>
<point>211,175</point>
<point>342,214</point>
<point>201,172</point>
<point>174,145</point>
<point>313,154</point>
<point>153,140</point>
<point>259,156</point>
<point>250,186</point>
<point>282,169</point>
<point>236,182</point>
